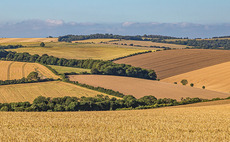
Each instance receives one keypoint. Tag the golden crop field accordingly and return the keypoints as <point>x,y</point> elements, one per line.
<point>61,69</point>
<point>216,77</point>
<point>93,40</point>
<point>29,91</point>
<point>204,123</point>
<point>11,70</point>
<point>79,51</point>
<point>149,43</point>
<point>21,40</point>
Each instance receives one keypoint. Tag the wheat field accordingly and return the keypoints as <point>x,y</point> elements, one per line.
<point>11,70</point>
<point>21,40</point>
<point>29,91</point>
<point>204,123</point>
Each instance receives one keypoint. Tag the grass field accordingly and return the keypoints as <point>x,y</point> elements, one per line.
<point>11,70</point>
<point>93,40</point>
<point>78,50</point>
<point>61,69</point>
<point>21,40</point>
<point>142,87</point>
<point>215,77</point>
<point>174,62</point>
<point>204,123</point>
<point>149,43</point>
<point>28,92</point>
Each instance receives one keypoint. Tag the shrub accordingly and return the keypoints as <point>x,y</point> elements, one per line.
<point>184,82</point>
<point>191,84</point>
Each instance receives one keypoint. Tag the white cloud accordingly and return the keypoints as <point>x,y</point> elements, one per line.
<point>52,22</point>
<point>126,24</point>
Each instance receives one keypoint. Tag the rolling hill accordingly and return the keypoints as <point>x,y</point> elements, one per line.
<point>199,123</point>
<point>29,91</point>
<point>142,87</point>
<point>11,70</point>
<point>78,50</point>
<point>174,62</point>
<point>216,77</point>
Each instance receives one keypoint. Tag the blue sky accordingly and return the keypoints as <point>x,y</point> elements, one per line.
<point>117,11</point>
<point>181,18</point>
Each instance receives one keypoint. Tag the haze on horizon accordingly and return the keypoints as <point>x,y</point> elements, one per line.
<point>206,18</point>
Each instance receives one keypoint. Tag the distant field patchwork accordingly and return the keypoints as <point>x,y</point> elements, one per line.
<point>11,70</point>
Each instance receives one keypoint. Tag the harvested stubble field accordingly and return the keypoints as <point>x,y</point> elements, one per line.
<point>216,77</point>
<point>142,87</point>
<point>11,70</point>
<point>29,91</point>
<point>206,123</point>
<point>62,69</point>
<point>79,50</point>
<point>21,40</point>
<point>174,62</point>
<point>149,43</point>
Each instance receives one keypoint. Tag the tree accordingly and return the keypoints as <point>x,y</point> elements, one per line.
<point>42,44</point>
<point>175,82</point>
<point>184,81</point>
<point>203,87</point>
<point>33,76</point>
<point>191,84</point>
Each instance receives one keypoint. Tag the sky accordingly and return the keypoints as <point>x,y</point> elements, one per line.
<point>109,12</point>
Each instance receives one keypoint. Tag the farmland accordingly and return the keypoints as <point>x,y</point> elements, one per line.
<point>148,43</point>
<point>204,123</point>
<point>93,40</point>
<point>214,77</point>
<point>28,92</point>
<point>11,70</point>
<point>61,69</point>
<point>141,87</point>
<point>174,62</point>
<point>23,40</point>
<point>78,50</point>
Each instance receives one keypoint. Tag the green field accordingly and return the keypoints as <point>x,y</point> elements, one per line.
<point>78,50</point>
<point>61,69</point>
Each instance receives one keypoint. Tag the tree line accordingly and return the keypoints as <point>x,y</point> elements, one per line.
<point>23,80</point>
<point>69,38</point>
<point>96,66</point>
<point>10,46</point>
<point>97,103</point>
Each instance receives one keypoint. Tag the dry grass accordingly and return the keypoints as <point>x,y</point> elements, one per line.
<point>215,77</point>
<point>207,123</point>
<point>142,87</point>
<point>28,92</point>
<point>78,50</point>
<point>21,40</point>
<point>149,43</point>
<point>16,70</point>
<point>174,62</point>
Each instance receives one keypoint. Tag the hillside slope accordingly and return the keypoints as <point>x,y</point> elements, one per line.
<point>10,70</point>
<point>29,91</point>
<point>216,77</point>
<point>173,62</point>
<point>142,87</point>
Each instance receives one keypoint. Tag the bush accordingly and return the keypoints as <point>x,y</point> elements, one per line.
<point>184,82</point>
<point>42,44</point>
<point>191,84</point>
